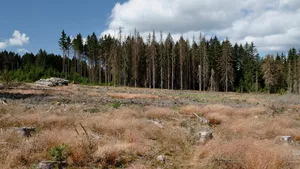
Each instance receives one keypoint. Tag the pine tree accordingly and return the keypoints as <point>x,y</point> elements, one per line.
<point>268,72</point>
<point>194,62</point>
<point>204,63</point>
<point>63,46</point>
<point>226,66</point>
<point>69,45</point>
<point>168,54</point>
<point>148,61</point>
<point>173,64</point>
<point>162,60</point>
<point>182,54</point>
<point>153,56</point>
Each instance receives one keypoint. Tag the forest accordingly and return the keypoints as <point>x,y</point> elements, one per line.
<point>159,62</point>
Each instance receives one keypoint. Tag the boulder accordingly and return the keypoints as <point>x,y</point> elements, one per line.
<point>52,82</point>
<point>286,139</point>
<point>3,102</point>
<point>205,136</point>
<point>46,165</point>
<point>161,159</point>
<point>52,165</point>
<point>25,131</point>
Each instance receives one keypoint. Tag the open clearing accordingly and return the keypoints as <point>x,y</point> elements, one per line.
<point>106,127</point>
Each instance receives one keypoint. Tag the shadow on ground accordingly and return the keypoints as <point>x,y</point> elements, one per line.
<point>18,96</point>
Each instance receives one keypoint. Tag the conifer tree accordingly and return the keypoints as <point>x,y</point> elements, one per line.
<point>226,65</point>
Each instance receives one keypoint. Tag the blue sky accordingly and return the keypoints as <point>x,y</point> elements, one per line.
<point>43,20</point>
<point>273,25</point>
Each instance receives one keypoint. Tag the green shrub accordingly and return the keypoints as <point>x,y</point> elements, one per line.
<point>6,78</point>
<point>59,153</point>
<point>116,105</point>
<point>281,91</point>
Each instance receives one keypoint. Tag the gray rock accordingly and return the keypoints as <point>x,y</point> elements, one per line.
<point>3,102</point>
<point>161,158</point>
<point>52,165</point>
<point>27,131</point>
<point>52,82</point>
<point>46,165</point>
<point>205,136</point>
<point>286,139</point>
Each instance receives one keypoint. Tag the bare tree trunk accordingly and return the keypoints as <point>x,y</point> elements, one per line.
<point>173,66</point>
<point>212,80</point>
<point>256,81</point>
<point>161,62</point>
<point>68,64</point>
<point>181,77</point>
<point>200,78</point>
<point>153,70</point>
<point>226,76</point>
<point>63,64</point>
<point>181,46</point>
<point>168,71</point>
<point>289,78</point>
<point>298,72</point>
<point>100,70</point>
<point>161,76</point>
<point>81,66</point>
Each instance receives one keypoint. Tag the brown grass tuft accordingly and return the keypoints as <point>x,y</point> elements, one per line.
<point>189,110</point>
<point>156,112</point>
<point>244,153</point>
<point>132,96</point>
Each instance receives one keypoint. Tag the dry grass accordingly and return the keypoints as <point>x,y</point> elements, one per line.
<point>156,112</point>
<point>132,136</point>
<point>243,153</point>
<point>132,96</point>
<point>189,110</point>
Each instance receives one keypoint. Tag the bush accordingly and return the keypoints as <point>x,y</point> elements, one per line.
<point>281,91</point>
<point>116,105</point>
<point>6,78</point>
<point>59,153</point>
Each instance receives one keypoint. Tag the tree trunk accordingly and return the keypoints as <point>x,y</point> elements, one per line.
<point>200,78</point>
<point>153,71</point>
<point>168,71</point>
<point>226,77</point>
<point>256,81</point>
<point>63,64</point>
<point>161,76</point>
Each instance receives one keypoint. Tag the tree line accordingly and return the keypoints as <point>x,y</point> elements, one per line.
<point>160,62</point>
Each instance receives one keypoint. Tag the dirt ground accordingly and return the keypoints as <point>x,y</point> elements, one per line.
<point>107,127</point>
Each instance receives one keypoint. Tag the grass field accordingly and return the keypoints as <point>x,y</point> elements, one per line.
<point>106,127</point>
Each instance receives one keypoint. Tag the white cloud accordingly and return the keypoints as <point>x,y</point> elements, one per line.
<point>3,45</point>
<point>22,50</point>
<point>18,39</point>
<point>271,24</point>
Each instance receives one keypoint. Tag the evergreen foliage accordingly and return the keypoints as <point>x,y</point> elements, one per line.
<point>205,65</point>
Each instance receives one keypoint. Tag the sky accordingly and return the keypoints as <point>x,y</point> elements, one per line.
<point>273,25</point>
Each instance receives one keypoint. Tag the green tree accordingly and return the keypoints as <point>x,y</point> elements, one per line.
<point>226,66</point>
<point>63,46</point>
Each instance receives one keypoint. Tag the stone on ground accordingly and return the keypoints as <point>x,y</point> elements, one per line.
<point>52,82</point>
<point>205,136</point>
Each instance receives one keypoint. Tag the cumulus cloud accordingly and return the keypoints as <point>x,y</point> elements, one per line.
<point>18,39</point>
<point>3,45</point>
<point>22,50</point>
<point>271,24</point>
